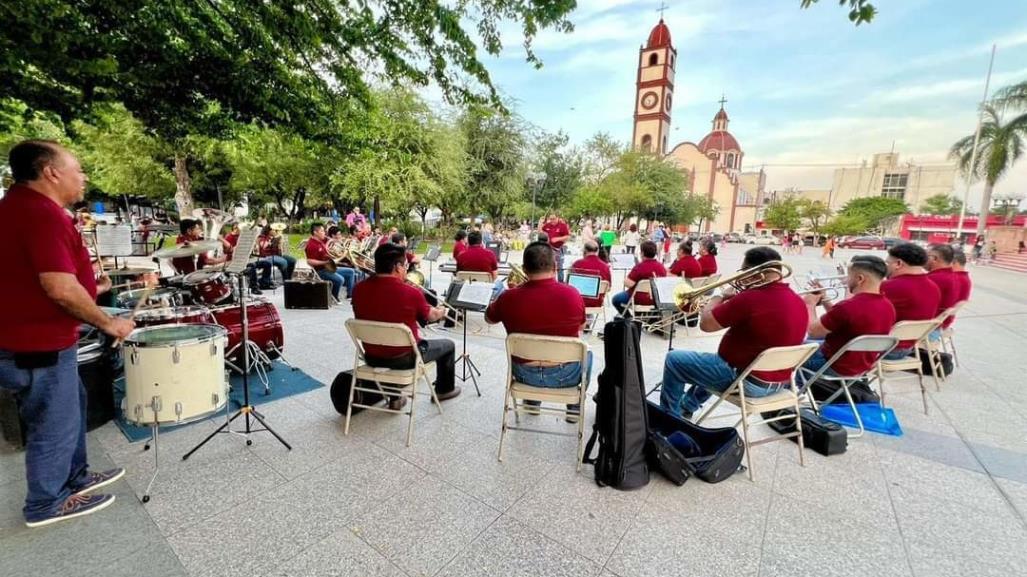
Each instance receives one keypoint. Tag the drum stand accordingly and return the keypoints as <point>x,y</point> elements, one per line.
<point>246,409</point>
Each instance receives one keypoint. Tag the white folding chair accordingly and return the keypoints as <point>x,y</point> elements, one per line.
<point>392,383</point>
<point>948,343</point>
<point>604,289</point>
<point>648,315</point>
<point>879,345</point>
<point>543,348</point>
<point>772,359</point>
<point>919,332</point>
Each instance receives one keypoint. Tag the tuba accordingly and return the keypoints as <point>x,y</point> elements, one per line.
<point>517,276</point>
<point>213,221</point>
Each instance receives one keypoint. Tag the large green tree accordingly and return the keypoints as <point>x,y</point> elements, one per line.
<point>784,213</point>
<point>860,11</point>
<point>563,167</point>
<point>941,204</point>
<point>497,160</point>
<point>277,168</point>
<point>816,213</point>
<point>874,212</point>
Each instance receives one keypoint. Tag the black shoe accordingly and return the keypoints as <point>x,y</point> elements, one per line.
<point>533,407</point>
<point>686,414</point>
<point>450,394</point>
<point>255,291</point>
<point>267,286</point>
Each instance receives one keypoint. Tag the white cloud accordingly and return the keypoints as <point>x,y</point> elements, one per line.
<point>950,87</point>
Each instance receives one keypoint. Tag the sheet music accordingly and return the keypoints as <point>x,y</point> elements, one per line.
<point>114,239</point>
<point>243,249</point>
<point>433,253</point>
<point>663,290</point>
<point>478,294</point>
<point>622,261</point>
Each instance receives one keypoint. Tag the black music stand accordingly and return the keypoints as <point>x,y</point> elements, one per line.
<point>238,267</point>
<point>665,303</point>
<point>432,256</point>
<point>472,304</point>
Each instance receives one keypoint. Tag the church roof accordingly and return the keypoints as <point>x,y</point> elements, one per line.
<point>722,115</point>
<point>719,140</point>
<point>659,37</point>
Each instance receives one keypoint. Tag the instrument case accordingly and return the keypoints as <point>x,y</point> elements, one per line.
<point>716,454</point>
<point>308,295</point>
<point>818,433</point>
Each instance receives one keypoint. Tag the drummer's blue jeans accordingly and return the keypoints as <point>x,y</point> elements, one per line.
<point>52,403</point>
<point>558,377</point>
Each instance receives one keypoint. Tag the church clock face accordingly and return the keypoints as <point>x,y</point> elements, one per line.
<point>649,100</point>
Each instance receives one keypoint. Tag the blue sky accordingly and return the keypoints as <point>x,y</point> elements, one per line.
<point>803,86</point>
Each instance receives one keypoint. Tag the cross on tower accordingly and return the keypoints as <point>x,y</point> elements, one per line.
<point>722,100</point>
<point>663,6</point>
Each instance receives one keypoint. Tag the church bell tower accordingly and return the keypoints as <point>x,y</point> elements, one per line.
<point>654,89</point>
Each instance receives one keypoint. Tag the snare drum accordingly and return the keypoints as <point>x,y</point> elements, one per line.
<point>174,373</point>
<point>185,315</point>
<point>265,325</point>
<point>208,286</point>
<point>158,298</point>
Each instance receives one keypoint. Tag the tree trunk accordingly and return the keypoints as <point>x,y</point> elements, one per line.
<point>982,220</point>
<point>183,188</point>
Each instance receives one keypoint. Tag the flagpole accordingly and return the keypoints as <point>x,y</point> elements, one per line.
<point>973,155</point>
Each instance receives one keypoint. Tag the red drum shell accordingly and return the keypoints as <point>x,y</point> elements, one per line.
<point>265,326</point>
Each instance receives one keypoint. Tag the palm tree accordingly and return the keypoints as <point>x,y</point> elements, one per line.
<point>1001,144</point>
<point>1014,96</point>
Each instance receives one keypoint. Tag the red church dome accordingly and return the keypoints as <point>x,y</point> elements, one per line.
<point>720,140</point>
<point>660,36</point>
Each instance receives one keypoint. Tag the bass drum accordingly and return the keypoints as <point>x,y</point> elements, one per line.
<point>174,373</point>
<point>265,326</point>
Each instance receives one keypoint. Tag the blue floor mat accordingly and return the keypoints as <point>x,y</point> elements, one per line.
<point>875,418</point>
<point>285,382</point>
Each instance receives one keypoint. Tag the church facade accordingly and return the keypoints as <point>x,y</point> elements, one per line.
<point>714,165</point>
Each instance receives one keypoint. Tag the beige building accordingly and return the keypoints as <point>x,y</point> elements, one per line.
<point>714,164</point>
<point>885,176</point>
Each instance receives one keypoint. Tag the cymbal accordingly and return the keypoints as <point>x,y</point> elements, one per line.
<point>119,272</point>
<point>192,249</point>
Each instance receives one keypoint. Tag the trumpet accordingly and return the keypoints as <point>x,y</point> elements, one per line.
<point>830,293</point>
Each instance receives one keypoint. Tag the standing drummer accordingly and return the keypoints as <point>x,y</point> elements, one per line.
<point>50,290</point>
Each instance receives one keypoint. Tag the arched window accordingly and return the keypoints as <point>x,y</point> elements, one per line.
<point>653,59</point>
<point>672,61</point>
<point>647,143</point>
<point>731,160</point>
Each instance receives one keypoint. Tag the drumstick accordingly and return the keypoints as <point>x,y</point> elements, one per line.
<point>139,306</point>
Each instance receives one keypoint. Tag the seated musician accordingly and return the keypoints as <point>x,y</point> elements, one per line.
<point>591,264</point>
<point>865,312</point>
<point>939,271</point>
<point>386,297</point>
<point>756,320</point>
<point>648,268</point>
<point>192,230</point>
<point>384,238</point>
<point>542,306</point>
<point>400,239</point>
<point>477,258</point>
<point>322,263</point>
<point>459,243</point>
<point>686,265</point>
<point>708,257</point>
<point>229,243</point>
<point>269,248</point>
<point>963,283</point>
<point>913,295</point>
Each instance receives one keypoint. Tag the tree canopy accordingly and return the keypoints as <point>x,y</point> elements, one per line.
<point>941,204</point>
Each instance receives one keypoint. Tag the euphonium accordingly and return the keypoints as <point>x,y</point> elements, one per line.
<point>517,276</point>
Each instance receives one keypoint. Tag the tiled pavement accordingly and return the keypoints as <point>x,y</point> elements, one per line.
<point>947,498</point>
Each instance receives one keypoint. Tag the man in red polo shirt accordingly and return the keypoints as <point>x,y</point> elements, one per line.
<point>593,265</point>
<point>477,258</point>
<point>914,297</point>
<point>319,259</point>
<point>865,312</point>
<point>939,271</point>
<point>459,243</point>
<point>756,320</point>
<point>648,268</point>
<point>229,242</point>
<point>963,282</point>
<point>558,233</point>
<point>386,297</point>
<point>686,265</point>
<point>48,290</point>
<point>542,306</point>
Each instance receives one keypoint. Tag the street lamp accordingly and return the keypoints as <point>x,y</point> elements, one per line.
<point>536,180</point>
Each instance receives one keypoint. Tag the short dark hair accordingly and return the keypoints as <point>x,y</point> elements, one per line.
<point>711,247</point>
<point>944,252</point>
<point>315,226</point>
<point>542,237</point>
<point>649,249</point>
<point>333,230</point>
<point>397,237</point>
<point>538,258</point>
<point>474,238</point>
<point>909,253</point>
<point>185,225</point>
<point>685,247</point>
<point>960,256</point>
<point>590,247</point>
<point>871,264</point>
<point>758,255</point>
<point>387,256</point>
<point>28,158</point>
<point>460,235</point>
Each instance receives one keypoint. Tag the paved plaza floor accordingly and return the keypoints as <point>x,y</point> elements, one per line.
<point>949,497</point>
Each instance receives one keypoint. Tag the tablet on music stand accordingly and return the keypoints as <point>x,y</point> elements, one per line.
<point>587,285</point>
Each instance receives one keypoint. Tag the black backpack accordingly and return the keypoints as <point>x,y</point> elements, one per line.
<point>621,424</point>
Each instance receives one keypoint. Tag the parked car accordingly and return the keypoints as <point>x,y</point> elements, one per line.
<point>762,239</point>
<point>890,241</point>
<point>733,237</point>
<point>863,242</point>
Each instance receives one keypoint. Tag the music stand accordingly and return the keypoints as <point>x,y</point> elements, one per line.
<point>432,256</point>
<point>240,259</point>
<point>663,300</point>
<point>469,297</point>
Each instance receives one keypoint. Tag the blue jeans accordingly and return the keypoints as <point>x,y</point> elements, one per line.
<point>898,354</point>
<point>52,403</point>
<point>285,265</point>
<point>935,336</point>
<point>265,273</point>
<point>814,363</point>
<point>558,377</point>
<point>342,276</point>
<point>620,301</point>
<point>705,372</point>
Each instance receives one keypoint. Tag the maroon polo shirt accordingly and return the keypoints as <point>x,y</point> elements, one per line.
<point>389,299</point>
<point>914,297</point>
<point>647,269</point>
<point>264,247</point>
<point>687,267</point>
<point>459,247</point>
<point>758,319</point>
<point>316,250</point>
<point>963,285</point>
<point>188,264</point>
<point>540,307</point>
<point>477,259</point>
<point>708,264</point>
<point>592,265</point>
<point>945,280</point>
<point>861,314</point>
<point>232,239</point>
<point>38,236</point>
<point>555,229</point>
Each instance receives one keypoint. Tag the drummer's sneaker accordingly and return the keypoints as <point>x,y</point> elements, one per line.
<point>96,480</point>
<point>74,506</point>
